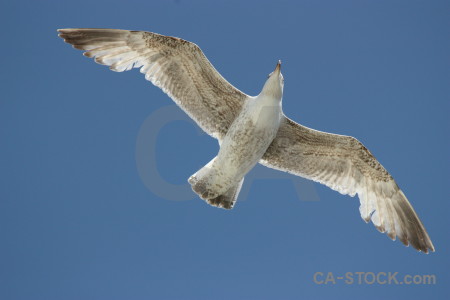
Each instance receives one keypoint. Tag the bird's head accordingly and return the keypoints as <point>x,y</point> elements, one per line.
<point>275,83</point>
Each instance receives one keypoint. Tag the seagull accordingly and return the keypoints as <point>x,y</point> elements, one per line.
<point>253,130</point>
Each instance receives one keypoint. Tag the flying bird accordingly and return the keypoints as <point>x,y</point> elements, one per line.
<point>253,130</point>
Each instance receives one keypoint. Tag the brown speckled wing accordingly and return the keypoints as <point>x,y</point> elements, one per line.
<point>345,165</point>
<point>177,66</point>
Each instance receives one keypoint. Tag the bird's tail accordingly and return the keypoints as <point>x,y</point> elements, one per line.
<point>205,183</point>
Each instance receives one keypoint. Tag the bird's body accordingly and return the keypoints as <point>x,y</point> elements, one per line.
<point>245,143</point>
<point>254,129</point>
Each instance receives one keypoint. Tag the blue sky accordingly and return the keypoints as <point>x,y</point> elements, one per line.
<point>78,221</point>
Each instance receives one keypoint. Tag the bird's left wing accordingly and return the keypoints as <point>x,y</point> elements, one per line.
<point>345,165</point>
<point>177,66</point>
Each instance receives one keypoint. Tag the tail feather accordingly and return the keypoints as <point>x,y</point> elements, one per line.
<point>200,181</point>
<point>228,199</point>
<point>204,183</point>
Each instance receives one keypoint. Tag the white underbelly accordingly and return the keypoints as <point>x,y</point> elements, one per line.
<point>247,140</point>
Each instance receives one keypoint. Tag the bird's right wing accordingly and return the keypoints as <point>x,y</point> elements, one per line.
<point>345,165</point>
<point>177,66</point>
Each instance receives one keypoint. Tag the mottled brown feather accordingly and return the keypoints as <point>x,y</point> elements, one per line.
<point>347,166</point>
<point>177,66</point>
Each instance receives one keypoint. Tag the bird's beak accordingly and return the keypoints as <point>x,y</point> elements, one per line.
<point>278,67</point>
